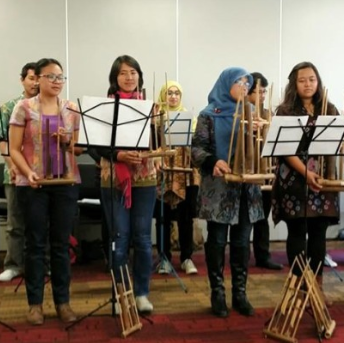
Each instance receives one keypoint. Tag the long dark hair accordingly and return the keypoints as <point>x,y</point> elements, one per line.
<point>291,98</point>
<point>115,69</point>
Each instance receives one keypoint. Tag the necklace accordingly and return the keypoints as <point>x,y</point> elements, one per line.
<point>310,109</point>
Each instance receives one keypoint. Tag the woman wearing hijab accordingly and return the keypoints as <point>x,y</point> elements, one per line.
<point>179,191</point>
<point>223,204</point>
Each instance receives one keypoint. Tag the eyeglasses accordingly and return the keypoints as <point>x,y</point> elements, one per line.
<point>242,83</point>
<point>54,78</point>
<point>171,93</point>
<point>261,92</point>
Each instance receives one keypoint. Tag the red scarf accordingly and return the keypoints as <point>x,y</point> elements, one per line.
<point>122,172</point>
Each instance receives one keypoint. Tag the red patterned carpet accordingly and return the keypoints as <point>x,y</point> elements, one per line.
<point>178,317</point>
<point>186,328</point>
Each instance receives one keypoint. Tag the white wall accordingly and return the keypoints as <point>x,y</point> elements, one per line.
<point>189,40</point>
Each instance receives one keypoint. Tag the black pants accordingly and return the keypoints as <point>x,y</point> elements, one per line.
<point>314,248</point>
<point>184,214</point>
<point>261,232</point>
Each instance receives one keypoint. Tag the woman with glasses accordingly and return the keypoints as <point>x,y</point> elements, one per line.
<point>225,204</point>
<point>179,193</point>
<point>42,131</point>
<point>131,201</point>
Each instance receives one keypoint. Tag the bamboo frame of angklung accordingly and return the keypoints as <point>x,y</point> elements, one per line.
<point>163,151</point>
<point>322,317</point>
<point>266,162</point>
<point>288,312</point>
<point>330,182</point>
<point>67,175</point>
<point>129,317</point>
<point>243,168</point>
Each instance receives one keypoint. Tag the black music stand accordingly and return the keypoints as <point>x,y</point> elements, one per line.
<point>103,133</point>
<point>178,133</point>
<point>4,138</point>
<point>285,134</point>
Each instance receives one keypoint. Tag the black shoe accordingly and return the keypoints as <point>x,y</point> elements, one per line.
<point>268,264</point>
<point>218,304</point>
<point>241,304</point>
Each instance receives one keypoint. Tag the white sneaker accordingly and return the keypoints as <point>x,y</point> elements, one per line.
<point>164,267</point>
<point>329,262</point>
<point>143,304</point>
<point>9,274</point>
<point>189,267</point>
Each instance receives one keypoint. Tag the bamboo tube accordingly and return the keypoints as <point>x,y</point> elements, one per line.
<point>230,150</point>
<point>249,154</point>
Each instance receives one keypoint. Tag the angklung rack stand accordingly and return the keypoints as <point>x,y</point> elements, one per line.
<point>100,123</point>
<point>326,139</point>
<point>298,293</point>
<point>4,139</point>
<point>177,131</point>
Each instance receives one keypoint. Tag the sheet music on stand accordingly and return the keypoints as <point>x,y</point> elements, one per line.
<point>284,136</point>
<point>286,132</point>
<point>178,131</point>
<point>132,130</point>
<point>328,136</point>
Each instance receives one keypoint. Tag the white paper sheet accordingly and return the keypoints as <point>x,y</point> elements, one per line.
<point>133,124</point>
<point>284,136</point>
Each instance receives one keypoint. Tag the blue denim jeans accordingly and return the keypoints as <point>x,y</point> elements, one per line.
<point>131,226</point>
<point>49,210</point>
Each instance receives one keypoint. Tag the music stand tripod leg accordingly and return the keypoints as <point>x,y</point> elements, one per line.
<point>162,254</point>
<point>9,327</point>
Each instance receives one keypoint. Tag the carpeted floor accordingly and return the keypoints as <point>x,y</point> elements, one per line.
<point>179,316</point>
<point>170,328</point>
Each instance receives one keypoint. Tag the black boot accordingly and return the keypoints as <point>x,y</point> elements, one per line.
<point>215,257</point>
<point>239,263</point>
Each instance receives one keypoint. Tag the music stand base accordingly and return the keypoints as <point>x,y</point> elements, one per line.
<point>9,327</point>
<point>109,301</point>
<point>163,257</point>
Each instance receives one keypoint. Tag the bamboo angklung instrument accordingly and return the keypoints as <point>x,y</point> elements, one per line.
<point>266,163</point>
<point>329,180</point>
<point>67,172</point>
<point>244,155</point>
<point>159,126</point>
<point>129,318</point>
<point>298,292</point>
<point>48,172</point>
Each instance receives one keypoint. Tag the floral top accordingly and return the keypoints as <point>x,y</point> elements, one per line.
<point>6,111</point>
<point>28,115</point>
<point>175,183</point>
<point>142,175</point>
<point>289,188</point>
<point>219,201</point>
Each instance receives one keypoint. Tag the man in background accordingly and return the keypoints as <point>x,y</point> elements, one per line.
<point>261,229</point>
<point>14,259</point>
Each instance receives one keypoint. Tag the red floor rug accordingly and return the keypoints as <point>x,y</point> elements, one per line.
<point>96,271</point>
<point>186,328</point>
